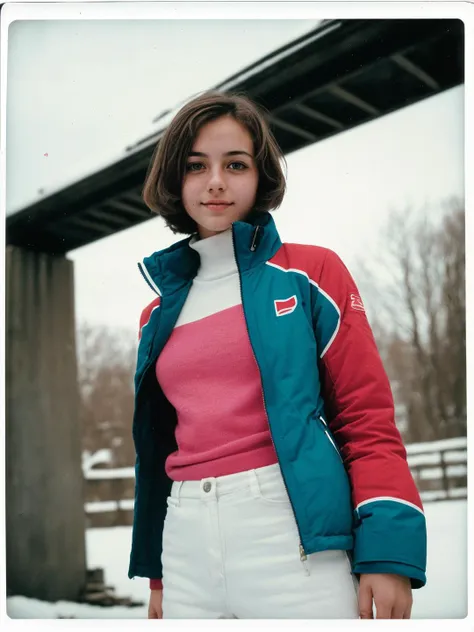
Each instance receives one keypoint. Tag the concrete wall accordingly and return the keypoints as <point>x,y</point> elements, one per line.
<point>45,523</point>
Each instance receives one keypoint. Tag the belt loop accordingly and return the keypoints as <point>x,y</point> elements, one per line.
<point>254,484</point>
<point>179,485</point>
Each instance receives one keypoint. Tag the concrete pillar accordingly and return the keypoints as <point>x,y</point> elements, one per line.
<point>45,522</point>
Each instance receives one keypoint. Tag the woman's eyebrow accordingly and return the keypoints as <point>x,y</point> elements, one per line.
<point>235,152</point>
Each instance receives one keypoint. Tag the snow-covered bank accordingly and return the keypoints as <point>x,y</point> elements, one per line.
<point>444,596</point>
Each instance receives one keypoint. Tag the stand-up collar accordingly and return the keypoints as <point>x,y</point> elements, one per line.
<point>217,257</point>
<point>255,241</point>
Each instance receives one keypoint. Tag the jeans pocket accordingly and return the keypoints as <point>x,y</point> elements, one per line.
<point>172,502</point>
<point>273,492</point>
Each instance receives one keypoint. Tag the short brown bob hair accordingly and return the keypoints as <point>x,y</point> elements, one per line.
<point>163,183</point>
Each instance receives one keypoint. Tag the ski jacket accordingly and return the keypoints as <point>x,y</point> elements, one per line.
<point>327,397</point>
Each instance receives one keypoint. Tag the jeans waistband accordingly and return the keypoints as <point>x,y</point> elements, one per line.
<point>214,487</point>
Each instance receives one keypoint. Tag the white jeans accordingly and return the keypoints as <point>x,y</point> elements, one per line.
<point>231,550</point>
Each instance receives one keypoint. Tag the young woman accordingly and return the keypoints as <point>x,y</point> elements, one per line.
<point>271,480</point>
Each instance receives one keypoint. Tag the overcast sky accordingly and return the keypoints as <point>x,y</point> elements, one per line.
<point>82,91</point>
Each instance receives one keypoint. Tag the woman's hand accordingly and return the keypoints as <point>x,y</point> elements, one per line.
<point>155,610</point>
<point>390,593</point>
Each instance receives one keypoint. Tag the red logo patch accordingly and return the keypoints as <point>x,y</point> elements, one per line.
<point>286,306</point>
<point>356,303</point>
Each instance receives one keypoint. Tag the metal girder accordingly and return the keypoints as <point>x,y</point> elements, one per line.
<point>317,116</point>
<point>101,227</point>
<point>345,95</point>
<point>128,205</point>
<point>293,128</point>
<point>117,219</point>
<point>416,71</point>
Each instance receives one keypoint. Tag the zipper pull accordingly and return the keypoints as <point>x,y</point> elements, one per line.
<point>253,245</point>
<point>303,556</point>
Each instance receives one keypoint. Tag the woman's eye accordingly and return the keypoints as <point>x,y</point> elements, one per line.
<point>193,166</point>
<point>237,166</point>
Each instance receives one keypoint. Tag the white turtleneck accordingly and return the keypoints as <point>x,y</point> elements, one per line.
<point>208,372</point>
<point>216,285</point>
<point>216,254</point>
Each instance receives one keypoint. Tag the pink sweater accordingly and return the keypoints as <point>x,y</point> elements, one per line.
<point>207,370</point>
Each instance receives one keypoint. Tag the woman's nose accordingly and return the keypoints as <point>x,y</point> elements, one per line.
<point>216,181</point>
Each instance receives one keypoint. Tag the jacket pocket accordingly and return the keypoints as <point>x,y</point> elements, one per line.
<point>327,432</point>
<point>324,493</point>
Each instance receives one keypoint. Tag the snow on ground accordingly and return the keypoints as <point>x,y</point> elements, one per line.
<point>23,608</point>
<point>444,596</point>
<point>445,593</point>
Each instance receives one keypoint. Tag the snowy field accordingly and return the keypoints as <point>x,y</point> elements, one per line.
<point>444,596</point>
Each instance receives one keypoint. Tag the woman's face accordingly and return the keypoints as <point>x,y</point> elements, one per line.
<point>221,179</point>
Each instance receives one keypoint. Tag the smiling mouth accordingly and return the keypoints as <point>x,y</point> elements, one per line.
<point>213,206</point>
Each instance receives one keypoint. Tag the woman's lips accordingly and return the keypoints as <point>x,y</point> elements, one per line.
<point>218,207</point>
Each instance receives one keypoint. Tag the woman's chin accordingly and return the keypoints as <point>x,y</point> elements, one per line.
<point>215,227</point>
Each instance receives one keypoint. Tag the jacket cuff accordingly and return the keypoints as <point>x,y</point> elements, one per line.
<point>156,584</point>
<point>390,534</point>
<point>416,575</point>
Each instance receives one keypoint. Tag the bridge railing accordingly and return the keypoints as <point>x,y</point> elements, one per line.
<point>438,467</point>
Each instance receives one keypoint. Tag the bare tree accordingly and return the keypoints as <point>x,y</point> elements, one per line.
<point>106,368</point>
<point>415,288</point>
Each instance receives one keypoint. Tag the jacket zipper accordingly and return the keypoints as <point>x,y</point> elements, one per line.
<point>303,556</point>
<point>253,245</point>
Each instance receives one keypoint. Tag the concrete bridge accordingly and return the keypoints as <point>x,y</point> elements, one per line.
<point>343,74</point>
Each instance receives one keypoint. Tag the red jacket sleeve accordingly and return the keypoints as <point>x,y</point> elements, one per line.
<point>391,532</point>
<point>359,400</point>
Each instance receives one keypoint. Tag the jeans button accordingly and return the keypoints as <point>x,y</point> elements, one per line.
<point>207,486</point>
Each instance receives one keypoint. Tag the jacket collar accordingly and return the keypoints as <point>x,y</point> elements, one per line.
<point>256,240</point>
